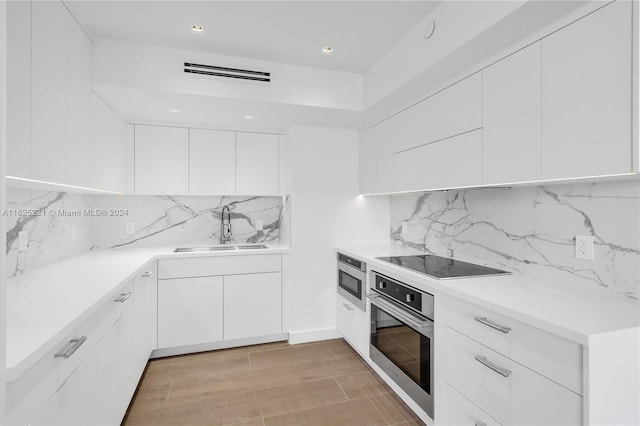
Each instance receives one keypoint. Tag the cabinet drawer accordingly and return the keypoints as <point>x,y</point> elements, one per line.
<point>453,162</point>
<point>454,110</point>
<point>456,410</point>
<point>354,324</point>
<point>218,265</point>
<point>554,357</point>
<point>504,389</point>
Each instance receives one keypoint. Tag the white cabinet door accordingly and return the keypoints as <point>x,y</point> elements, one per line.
<point>49,91</point>
<point>79,143</point>
<point>450,163</point>
<point>18,88</point>
<point>511,118</point>
<point>252,305</point>
<point>454,110</point>
<point>161,160</point>
<point>212,162</point>
<point>145,313</point>
<point>384,142</point>
<point>587,95</point>
<point>354,324</point>
<point>109,144</point>
<point>368,161</point>
<point>256,164</point>
<point>189,311</point>
<point>90,396</point>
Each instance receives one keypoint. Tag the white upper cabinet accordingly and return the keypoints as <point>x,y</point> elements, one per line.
<point>79,143</point>
<point>256,164</point>
<point>452,111</point>
<point>449,163</point>
<point>161,160</point>
<point>49,91</point>
<point>109,148</point>
<point>376,158</point>
<point>18,88</point>
<point>587,95</point>
<point>368,161</point>
<point>511,118</point>
<point>212,162</point>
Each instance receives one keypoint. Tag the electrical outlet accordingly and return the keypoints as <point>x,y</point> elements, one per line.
<point>405,228</point>
<point>584,247</point>
<point>129,228</point>
<point>259,225</point>
<point>74,232</point>
<point>23,241</point>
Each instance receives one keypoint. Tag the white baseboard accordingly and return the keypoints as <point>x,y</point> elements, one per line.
<point>190,349</point>
<point>296,337</point>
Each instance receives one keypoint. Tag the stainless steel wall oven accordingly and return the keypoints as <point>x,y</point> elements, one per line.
<point>402,336</point>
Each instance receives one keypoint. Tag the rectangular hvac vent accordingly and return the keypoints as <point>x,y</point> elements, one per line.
<point>227,72</point>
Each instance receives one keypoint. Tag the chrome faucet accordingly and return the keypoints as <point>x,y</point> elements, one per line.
<point>225,226</point>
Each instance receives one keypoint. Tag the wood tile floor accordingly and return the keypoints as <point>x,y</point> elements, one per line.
<point>321,383</point>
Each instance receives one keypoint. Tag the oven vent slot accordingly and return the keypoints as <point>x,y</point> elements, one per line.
<point>216,71</point>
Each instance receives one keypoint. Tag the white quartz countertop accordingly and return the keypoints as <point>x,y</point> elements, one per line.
<point>570,311</point>
<point>46,304</point>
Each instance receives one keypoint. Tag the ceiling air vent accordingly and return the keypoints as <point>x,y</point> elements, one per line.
<point>215,71</point>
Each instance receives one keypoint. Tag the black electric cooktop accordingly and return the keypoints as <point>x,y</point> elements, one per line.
<point>441,267</point>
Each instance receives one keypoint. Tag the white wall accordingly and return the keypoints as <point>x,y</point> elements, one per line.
<point>3,165</point>
<point>325,211</point>
<point>146,67</point>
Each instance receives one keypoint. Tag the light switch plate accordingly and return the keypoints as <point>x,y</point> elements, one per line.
<point>74,232</point>
<point>129,228</point>
<point>259,225</point>
<point>584,247</point>
<point>405,228</point>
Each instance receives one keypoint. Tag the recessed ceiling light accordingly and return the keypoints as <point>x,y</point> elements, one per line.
<point>196,28</point>
<point>249,117</point>
<point>327,50</point>
<point>175,110</point>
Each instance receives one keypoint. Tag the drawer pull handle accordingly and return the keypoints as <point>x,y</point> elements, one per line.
<point>485,321</point>
<point>346,305</point>
<point>73,346</point>
<point>123,297</point>
<point>479,423</point>
<point>501,371</point>
<point>146,274</point>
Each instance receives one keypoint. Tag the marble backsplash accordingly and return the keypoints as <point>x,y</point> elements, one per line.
<point>531,230</point>
<point>59,224</point>
<point>185,220</point>
<point>47,218</point>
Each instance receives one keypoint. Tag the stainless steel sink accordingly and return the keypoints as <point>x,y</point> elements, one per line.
<point>220,248</point>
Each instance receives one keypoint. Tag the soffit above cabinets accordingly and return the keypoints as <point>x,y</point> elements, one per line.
<point>293,32</point>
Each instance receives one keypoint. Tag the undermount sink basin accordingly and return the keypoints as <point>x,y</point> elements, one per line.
<point>220,248</point>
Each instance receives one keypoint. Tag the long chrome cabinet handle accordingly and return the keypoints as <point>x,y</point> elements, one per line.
<point>146,274</point>
<point>479,423</point>
<point>346,305</point>
<point>123,297</point>
<point>411,321</point>
<point>485,321</point>
<point>501,371</point>
<point>74,344</point>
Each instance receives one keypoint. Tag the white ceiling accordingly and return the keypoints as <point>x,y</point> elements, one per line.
<point>291,32</point>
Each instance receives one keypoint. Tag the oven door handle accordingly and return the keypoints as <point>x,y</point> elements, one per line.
<point>412,321</point>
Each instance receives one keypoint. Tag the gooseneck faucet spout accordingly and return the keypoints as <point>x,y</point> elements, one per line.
<point>225,226</point>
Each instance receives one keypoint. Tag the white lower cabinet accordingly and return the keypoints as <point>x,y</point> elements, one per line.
<point>354,324</point>
<point>493,369</point>
<point>456,410</point>
<point>252,305</point>
<point>90,395</point>
<point>189,311</point>
<point>206,301</point>
<point>94,384</point>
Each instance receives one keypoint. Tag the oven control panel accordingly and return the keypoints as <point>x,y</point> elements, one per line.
<point>405,295</point>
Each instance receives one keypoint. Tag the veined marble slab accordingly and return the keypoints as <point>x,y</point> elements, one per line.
<point>531,230</point>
